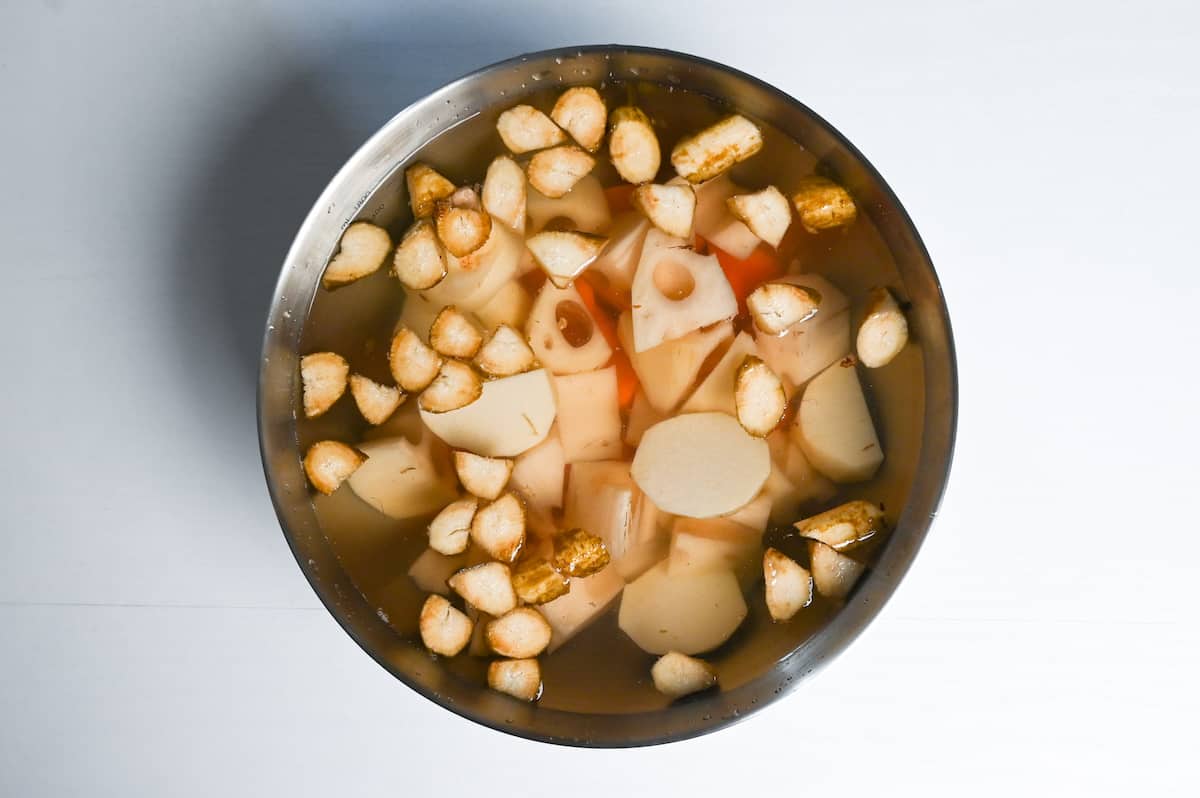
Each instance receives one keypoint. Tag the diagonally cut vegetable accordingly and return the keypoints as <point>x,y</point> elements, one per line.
<point>430,571</point>
<point>425,187</point>
<point>454,335</point>
<point>363,249</point>
<point>834,426</point>
<point>563,334</point>
<point>883,332</point>
<point>676,675</point>
<point>618,261</point>
<point>323,379</point>
<point>676,291</point>
<point>714,222</point>
<point>716,148</point>
<point>524,128</point>
<point>488,587</point>
<point>499,528</point>
<point>461,230</point>
<point>822,204</point>
<point>444,629</point>
<point>419,262</point>
<point>484,477</point>
<point>669,207</point>
<point>450,530</point>
<point>716,392</point>
<point>765,212</point>
<point>589,415</point>
<point>602,498</point>
<point>668,371</point>
<point>754,515</point>
<point>506,353</point>
<point>536,581</point>
<point>413,364</point>
<point>329,463</point>
<point>538,474</point>
<point>455,386</point>
<point>583,208</point>
<point>512,415</point>
<point>581,112</point>
<point>777,306</point>
<point>579,553</point>
<point>402,479</point>
<point>510,306</point>
<point>844,526</point>
<point>715,544</point>
<point>523,632</point>
<point>473,280</point>
<point>555,171</point>
<point>642,416</point>
<point>375,402</point>
<point>692,611</point>
<point>504,192</point>
<point>789,586</point>
<point>759,397</point>
<point>563,254</point>
<point>834,574</point>
<point>700,465</point>
<point>519,678</point>
<point>589,598</point>
<point>809,347</point>
<point>633,145</point>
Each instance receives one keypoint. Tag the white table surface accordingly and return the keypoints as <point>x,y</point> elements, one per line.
<point>156,636</point>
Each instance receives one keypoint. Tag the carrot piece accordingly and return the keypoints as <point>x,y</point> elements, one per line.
<point>620,198</point>
<point>746,275</point>
<point>603,321</point>
<point>627,381</point>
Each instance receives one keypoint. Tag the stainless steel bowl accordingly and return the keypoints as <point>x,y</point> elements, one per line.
<point>355,193</point>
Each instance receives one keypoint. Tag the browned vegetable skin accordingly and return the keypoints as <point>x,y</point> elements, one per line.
<point>579,553</point>
<point>822,204</point>
<point>633,145</point>
<point>330,463</point>
<point>323,381</point>
<point>363,249</point>
<point>425,187</point>
<point>375,402</point>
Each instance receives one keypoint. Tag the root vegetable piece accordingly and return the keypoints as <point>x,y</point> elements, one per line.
<point>668,371</point>
<point>716,544</point>
<point>789,586</point>
<point>403,480</point>
<point>589,415</point>
<point>602,498</point>
<point>793,482</point>
<point>464,197</point>
<point>473,280</point>
<point>563,254</point>
<point>461,230</point>
<point>419,262</point>
<point>504,192</point>
<point>618,261</point>
<point>425,187</point>
<point>363,249</point>
<point>579,553</point>
<point>676,291</point>
<point>412,363</point>
<point>510,306</point>
<point>484,477</point>
<point>430,571</point>
<point>691,611</point>
<point>478,647</point>
<point>444,629</point>
<point>454,335</point>
<point>375,402</point>
<point>583,208</point>
<point>524,129</point>
<point>833,573</point>
<point>845,525</point>
<point>759,397</point>
<point>488,587</point>
<point>777,306</point>
<point>330,463</point>
<point>581,112</point>
<point>642,416</point>
<point>587,600</point>
<point>499,528</point>
<point>506,353</point>
<point>521,633</point>
<point>716,224</point>
<point>563,334</point>
<point>806,349</point>
<point>717,390</point>
<point>755,515</point>
<point>512,415</point>
<point>323,378</point>
<point>700,465</point>
<point>538,474</point>
<point>455,386</point>
<point>536,582</point>
<point>519,678</point>
<point>676,675</point>
<point>450,530</point>
<point>883,332</point>
<point>633,145</point>
<point>417,314</point>
<point>834,426</point>
<point>669,207</point>
<point>555,171</point>
<point>716,148</point>
<point>765,212</point>
<point>822,204</point>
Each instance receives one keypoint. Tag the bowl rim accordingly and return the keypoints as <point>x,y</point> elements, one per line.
<point>855,625</point>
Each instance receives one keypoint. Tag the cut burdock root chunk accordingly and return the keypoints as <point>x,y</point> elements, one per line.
<point>822,204</point>
<point>329,463</point>
<point>505,353</point>
<point>504,192</point>
<point>521,633</point>
<point>884,330</point>
<point>777,306</point>
<point>554,172</point>
<point>789,587</point>
<point>669,207</point>
<point>714,149</point>
<point>461,230</point>
<point>323,377</point>
<point>444,629</point>
<point>579,553</point>
<point>564,254</point>
<point>456,385</point>
<point>833,573</point>
<point>413,364</point>
<point>759,397</point>
<point>450,530</point>
<point>633,145</point>
<point>425,187</point>
<point>519,678</point>
<point>765,212</point>
<point>363,250</point>
<point>499,528</point>
<point>484,477</point>
<point>375,402</point>
<point>454,335</point>
<point>845,525</point>
<point>536,581</point>
<point>419,262</point>
<point>487,587</point>
<point>676,675</point>
<point>525,129</point>
<point>581,112</point>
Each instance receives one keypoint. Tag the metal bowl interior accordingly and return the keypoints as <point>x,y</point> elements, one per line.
<point>355,192</point>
